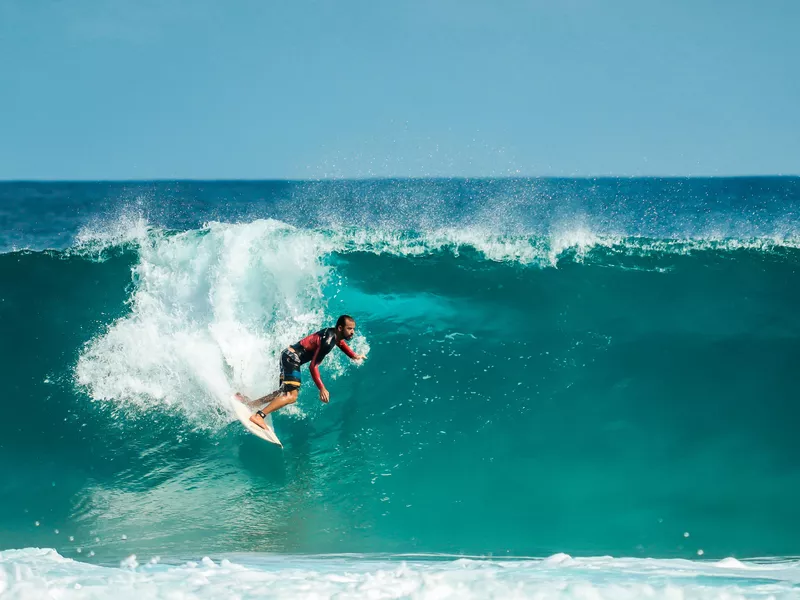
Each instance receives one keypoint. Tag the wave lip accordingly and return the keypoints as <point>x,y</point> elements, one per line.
<point>543,250</point>
<point>568,241</point>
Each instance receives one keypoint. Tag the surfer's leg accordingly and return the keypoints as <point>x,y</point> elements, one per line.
<point>258,401</point>
<point>268,398</point>
<point>282,400</point>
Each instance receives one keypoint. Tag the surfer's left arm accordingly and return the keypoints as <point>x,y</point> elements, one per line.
<point>349,351</point>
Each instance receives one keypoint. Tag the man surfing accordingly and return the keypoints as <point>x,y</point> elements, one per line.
<point>313,349</point>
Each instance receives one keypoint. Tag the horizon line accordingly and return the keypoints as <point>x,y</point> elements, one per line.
<point>402,178</point>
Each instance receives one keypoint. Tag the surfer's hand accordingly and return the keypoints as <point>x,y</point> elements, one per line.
<point>361,356</point>
<point>324,396</point>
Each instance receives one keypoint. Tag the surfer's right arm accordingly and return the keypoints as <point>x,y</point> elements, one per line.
<point>349,352</point>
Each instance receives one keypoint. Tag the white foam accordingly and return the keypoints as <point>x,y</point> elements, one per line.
<point>573,243</point>
<point>542,251</point>
<point>36,573</point>
<point>96,238</point>
<point>730,563</point>
<point>210,313</point>
<point>559,559</point>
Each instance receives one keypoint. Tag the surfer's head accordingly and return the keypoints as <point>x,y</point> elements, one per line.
<point>346,327</point>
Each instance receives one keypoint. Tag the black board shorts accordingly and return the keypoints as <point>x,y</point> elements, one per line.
<point>290,371</point>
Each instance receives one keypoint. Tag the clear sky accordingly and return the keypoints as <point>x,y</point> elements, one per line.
<point>211,89</point>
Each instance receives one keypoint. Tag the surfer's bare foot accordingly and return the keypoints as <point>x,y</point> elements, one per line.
<point>258,420</point>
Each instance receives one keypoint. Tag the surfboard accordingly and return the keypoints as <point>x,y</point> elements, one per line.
<point>243,414</point>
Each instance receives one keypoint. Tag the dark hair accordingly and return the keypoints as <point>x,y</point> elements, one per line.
<point>342,322</point>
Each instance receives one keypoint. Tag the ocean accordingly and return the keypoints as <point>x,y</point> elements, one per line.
<point>574,388</point>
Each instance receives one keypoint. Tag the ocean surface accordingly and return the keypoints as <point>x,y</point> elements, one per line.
<point>574,388</point>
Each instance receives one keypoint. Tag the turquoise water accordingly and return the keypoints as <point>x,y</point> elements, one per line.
<point>558,366</point>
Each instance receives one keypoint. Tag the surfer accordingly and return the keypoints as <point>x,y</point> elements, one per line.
<point>313,349</point>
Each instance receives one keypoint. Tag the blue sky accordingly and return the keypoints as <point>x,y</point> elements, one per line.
<point>201,89</point>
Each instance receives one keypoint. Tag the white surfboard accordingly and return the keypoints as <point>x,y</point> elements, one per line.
<point>243,413</point>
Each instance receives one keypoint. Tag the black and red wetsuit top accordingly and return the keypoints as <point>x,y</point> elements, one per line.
<point>315,347</point>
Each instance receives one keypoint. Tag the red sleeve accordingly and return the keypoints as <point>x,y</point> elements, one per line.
<point>346,349</point>
<point>313,368</point>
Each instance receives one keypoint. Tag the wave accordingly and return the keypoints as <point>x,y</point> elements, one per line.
<point>213,308</point>
<point>604,391</point>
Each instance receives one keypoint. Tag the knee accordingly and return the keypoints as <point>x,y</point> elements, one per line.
<point>291,397</point>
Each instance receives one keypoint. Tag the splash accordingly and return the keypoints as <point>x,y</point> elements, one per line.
<point>210,312</point>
